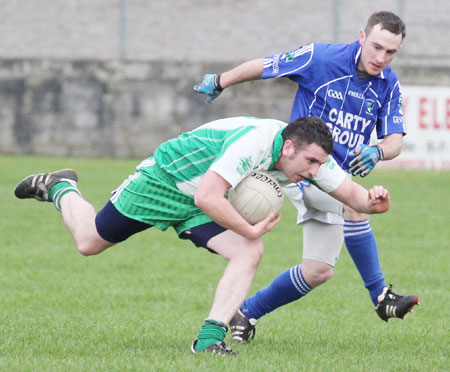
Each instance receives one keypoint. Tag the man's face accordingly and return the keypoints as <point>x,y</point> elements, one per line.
<point>378,49</point>
<point>302,164</point>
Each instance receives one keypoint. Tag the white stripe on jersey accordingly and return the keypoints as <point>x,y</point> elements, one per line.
<point>182,157</point>
<point>205,139</point>
<point>357,55</point>
<point>363,101</point>
<point>190,187</point>
<point>269,62</point>
<point>326,84</point>
<point>373,92</point>
<point>191,163</point>
<point>309,50</point>
<point>385,118</point>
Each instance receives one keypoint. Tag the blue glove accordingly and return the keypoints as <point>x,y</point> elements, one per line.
<point>209,86</point>
<point>366,157</point>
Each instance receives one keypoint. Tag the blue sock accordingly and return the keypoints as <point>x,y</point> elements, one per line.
<point>285,288</point>
<point>362,246</point>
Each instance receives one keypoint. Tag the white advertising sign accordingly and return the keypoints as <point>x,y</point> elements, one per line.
<point>427,116</point>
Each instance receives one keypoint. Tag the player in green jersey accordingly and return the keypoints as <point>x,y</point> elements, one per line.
<point>184,186</point>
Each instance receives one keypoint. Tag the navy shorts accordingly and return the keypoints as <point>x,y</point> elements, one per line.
<point>114,227</point>
<point>201,234</point>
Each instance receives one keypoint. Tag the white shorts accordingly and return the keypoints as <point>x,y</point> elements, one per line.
<point>313,203</point>
<point>322,219</point>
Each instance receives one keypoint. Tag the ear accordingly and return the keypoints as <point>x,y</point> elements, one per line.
<point>288,148</point>
<point>362,37</point>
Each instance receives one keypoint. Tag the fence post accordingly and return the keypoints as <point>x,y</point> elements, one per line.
<point>123,29</point>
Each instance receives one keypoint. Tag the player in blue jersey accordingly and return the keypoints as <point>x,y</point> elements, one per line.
<point>353,89</point>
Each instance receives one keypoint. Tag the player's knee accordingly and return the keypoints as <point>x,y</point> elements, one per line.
<point>256,252</point>
<point>89,248</point>
<point>259,251</point>
<point>253,253</point>
<point>86,249</point>
<point>321,276</point>
<point>316,273</point>
<point>325,274</point>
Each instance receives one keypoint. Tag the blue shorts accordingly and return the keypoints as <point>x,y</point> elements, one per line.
<point>114,227</point>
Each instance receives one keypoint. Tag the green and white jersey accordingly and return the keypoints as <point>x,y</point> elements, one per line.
<point>329,176</point>
<point>161,191</point>
<point>232,147</point>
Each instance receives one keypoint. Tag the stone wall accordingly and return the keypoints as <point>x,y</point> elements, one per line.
<point>125,109</point>
<point>92,108</point>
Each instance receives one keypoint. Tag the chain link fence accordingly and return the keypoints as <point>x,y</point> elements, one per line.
<point>206,30</point>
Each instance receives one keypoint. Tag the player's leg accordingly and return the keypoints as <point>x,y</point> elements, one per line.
<point>79,217</point>
<point>321,246</point>
<point>92,232</point>
<point>243,256</point>
<point>362,247</point>
<point>61,188</point>
<point>322,242</point>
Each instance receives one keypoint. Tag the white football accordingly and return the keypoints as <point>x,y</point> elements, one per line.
<point>256,196</point>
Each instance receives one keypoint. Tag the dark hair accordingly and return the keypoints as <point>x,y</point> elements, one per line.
<point>308,130</point>
<point>388,20</point>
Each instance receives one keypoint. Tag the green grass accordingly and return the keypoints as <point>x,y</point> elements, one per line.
<point>139,305</point>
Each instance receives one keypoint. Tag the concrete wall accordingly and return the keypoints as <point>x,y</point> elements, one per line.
<point>115,78</point>
<point>118,109</point>
<point>92,108</point>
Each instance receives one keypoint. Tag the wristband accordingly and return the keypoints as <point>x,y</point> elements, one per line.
<point>217,85</point>
<point>380,152</point>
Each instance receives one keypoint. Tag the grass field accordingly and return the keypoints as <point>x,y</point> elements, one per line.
<point>138,306</point>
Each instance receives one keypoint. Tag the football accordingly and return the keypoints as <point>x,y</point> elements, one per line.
<point>256,196</point>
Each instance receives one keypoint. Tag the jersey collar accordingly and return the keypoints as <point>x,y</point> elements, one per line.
<point>276,149</point>
<point>357,55</point>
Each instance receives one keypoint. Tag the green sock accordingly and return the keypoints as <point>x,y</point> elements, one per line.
<point>60,189</point>
<point>211,332</point>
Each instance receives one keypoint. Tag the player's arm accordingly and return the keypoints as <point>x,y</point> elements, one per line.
<point>391,145</point>
<point>210,198</point>
<point>374,200</point>
<point>213,84</point>
<point>251,70</point>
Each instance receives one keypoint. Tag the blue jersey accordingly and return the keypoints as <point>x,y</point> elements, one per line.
<point>329,87</point>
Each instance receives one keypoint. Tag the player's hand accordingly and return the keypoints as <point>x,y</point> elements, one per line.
<point>210,86</point>
<point>379,199</point>
<point>366,157</point>
<point>267,224</point>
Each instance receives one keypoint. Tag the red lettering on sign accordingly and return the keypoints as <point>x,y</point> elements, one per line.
<point>422,113</point>
<point>436,124</point>
<point>434,113</point>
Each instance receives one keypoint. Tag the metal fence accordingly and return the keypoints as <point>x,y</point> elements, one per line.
<point>206,30</point>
